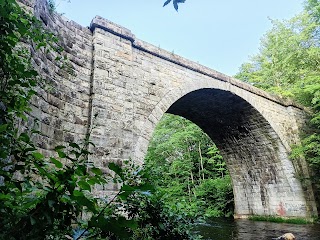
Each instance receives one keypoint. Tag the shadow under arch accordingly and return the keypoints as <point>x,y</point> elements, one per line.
<point>263,177</point>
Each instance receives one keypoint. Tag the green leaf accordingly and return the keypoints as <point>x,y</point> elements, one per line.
<point>74,145</point>
<point>37,155</point>
<point>127,188</point>
<point>24,137</point>
<point>41,44</point>
<point>82,200</point>
<point>59,147</point>
<point>3,127</point>
<point>162,226</point>
<point>30,149</point>
<point>93,181</point>
<point>96,171</point>
<point>61,154</point>
<point>84,185</point>
<point>126,191</point>
<point>117,169</point>
<point>65,198</point>
<point>100,222</point>
<point>32,220</point>
<point>146,187</point>
<point>127,223</point>
<point>56,162</point>
<point>4,197</point>
<point>81,170</point>
<point>77,193</point>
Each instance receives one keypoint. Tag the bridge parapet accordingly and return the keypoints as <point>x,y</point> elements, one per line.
<point>102,23</point>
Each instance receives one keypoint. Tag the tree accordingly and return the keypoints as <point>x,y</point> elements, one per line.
<point>288,59</point>
<point>188,169</point>
<point>313,9</point>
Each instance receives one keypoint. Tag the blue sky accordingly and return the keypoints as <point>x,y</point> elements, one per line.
<point>220,34</point>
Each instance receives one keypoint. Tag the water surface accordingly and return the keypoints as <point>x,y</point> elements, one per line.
<point>225,229</point>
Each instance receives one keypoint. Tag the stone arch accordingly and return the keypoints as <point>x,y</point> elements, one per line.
<point>112,70</point>
<point>263,177</point>
<point>260,104</point>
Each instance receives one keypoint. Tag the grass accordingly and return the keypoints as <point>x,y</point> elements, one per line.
<point>281,219</point>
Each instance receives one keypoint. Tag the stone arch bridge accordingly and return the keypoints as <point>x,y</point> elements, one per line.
<point>131,84</point>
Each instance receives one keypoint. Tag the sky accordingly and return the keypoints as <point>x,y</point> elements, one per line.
<point>220,34</point>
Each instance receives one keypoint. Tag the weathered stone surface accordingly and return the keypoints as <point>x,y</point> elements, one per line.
<point>130,84</point>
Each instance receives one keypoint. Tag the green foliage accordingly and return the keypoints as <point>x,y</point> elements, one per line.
<point>18,78</point>
<point>146,216</point>
<point>188,170</point>
<point>53,197</point>
<point>50,194</point>
<point>158,221</point>
<point>217,191</point>
<point>277,219</point>
<point>217,166</point>
<point>313,8</point>
<point>289,64</point>
<point>59,193</point>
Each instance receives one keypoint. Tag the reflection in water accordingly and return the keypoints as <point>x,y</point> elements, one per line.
<point>225,229</point>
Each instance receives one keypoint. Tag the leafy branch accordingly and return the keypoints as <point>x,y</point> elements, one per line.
<point>175,3</point>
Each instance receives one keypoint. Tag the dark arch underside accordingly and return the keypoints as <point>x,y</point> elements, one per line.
<point>262,174</point>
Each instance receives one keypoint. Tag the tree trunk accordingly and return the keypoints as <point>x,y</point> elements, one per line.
<point>189,190</point>
<point>201,162</point>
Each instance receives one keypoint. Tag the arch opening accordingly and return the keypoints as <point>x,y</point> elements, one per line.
<point>262,174</point>
<point>188,169</point>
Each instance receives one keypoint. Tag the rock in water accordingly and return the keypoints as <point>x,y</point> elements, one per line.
<point>286,236</point>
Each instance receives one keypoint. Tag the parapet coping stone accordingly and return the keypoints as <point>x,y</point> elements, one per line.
<point>113,28</point>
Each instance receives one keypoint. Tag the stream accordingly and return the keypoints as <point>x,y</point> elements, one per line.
<point>241,229</point>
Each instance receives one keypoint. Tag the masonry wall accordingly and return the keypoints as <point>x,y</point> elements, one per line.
<point>60,108</point>
<point>135,83</point>
<point>129,84</point>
